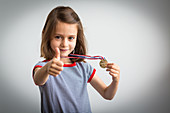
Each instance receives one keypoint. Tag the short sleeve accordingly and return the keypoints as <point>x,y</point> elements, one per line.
<point>92,75</point>
<point>90,72</point>
<point>39,64</point>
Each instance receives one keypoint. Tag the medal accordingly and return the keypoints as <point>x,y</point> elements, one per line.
<point>103,62</point>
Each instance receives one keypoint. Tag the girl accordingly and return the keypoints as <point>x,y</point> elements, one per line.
<point>63,81</point>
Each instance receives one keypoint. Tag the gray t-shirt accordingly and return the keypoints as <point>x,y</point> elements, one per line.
<point>67,92</point>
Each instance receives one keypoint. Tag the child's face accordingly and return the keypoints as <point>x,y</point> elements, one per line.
<point>64,38</point>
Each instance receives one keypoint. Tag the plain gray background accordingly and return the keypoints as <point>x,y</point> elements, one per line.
<point>135,34</point>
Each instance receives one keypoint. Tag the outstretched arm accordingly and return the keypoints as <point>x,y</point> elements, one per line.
<point>53,67</point>
<point>107,92</point>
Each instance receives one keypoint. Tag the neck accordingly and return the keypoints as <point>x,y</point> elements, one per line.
<point>65,60</point>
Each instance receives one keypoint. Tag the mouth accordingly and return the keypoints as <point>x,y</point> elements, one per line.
<point>63,50</point>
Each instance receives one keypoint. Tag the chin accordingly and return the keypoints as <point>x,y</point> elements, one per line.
<point>65,54</point>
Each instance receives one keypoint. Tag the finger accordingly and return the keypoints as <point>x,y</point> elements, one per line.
<point>113,71</point>
<point>113,66</point>
<point>56,69</point>
<point>57,53</point>
<point>55,61</point>
<point>57,66</point>
<point>53,74</point>
<point>109,64</point>
<point>113,74</point>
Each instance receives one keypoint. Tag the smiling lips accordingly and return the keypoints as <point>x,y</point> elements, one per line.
<point>63,50</point>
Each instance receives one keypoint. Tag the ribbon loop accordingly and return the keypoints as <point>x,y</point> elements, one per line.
<point>84,57</point>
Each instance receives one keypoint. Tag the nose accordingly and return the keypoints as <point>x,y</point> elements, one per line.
<point>64,42</point>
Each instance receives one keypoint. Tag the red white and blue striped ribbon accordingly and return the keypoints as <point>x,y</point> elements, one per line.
<point>84,57</point>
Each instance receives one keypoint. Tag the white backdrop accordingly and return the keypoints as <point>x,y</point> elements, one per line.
<point>131,33</point>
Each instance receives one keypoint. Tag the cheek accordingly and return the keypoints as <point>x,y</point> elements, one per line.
<point>54,44</point>
<point>73,45</point>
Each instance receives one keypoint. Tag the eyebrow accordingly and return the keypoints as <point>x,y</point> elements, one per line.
<point>62,34</point>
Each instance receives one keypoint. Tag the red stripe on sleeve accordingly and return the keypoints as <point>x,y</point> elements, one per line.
<point>91,75</point>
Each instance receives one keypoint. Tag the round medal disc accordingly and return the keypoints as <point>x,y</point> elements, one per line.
<point>103,63</point>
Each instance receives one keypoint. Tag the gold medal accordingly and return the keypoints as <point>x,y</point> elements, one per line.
<point>103,63</point>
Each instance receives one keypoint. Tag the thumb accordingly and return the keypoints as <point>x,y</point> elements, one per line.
<point>57,53</point>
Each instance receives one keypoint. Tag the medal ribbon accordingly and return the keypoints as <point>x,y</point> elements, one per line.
<point>84,57</point>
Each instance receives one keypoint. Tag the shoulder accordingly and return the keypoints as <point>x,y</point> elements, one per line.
<point>87,69</point>
<point>85,66</point>
<point>41,63</point>
<point>83,63</point>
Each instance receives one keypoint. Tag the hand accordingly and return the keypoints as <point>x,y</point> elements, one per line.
<point>114,71</point>
<point>55,65</point>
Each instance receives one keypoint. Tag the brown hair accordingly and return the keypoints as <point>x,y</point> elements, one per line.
<point>66,15</point>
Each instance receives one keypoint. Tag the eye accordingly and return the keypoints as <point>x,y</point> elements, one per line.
<point>71,38</point>
<point>57,37</point>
